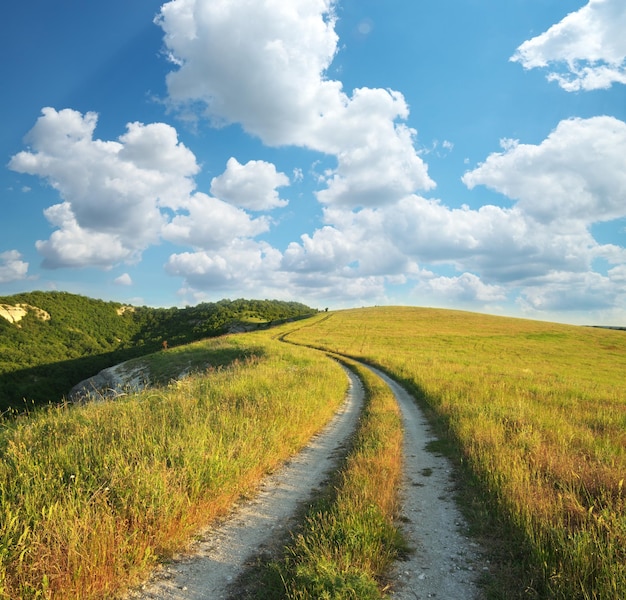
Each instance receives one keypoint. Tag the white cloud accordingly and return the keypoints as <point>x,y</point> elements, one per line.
<point>354,244</point>
<point>497,252</point>
<point>254,63</point>
<point>578,172</point>
<point>75,246</point>
<point>112,191</point>
<point>338,290</point>
<point>210,224</point>
<point>124,279</point>
<point>504,245</point>
<point>563,292</point>
<point>377,161</point>
<point>590,44</point>
<point>12,267</point>
<point>263,64</point>
<point>465,289</point>
<point>251,186</point>
<point>618,275</point>
<point>327,250</point>
<point>242,266</point>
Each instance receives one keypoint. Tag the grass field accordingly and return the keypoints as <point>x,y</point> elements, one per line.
<point>537,412</point>
<point>92,496</point>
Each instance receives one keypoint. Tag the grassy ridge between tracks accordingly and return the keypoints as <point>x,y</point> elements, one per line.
<point>349,540</point>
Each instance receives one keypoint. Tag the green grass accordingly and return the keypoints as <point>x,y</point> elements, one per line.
<point>537,413</point>
<point>92,496</point>
<point>161,368</point>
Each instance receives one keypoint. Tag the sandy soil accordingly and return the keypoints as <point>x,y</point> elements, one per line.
<point>445,564</point>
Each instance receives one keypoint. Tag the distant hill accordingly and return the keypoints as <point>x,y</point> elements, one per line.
<point>51,340</point>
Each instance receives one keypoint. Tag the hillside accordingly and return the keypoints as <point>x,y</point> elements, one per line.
<point>49,341</point>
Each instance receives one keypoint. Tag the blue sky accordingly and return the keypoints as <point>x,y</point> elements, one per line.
<point>463,153</point>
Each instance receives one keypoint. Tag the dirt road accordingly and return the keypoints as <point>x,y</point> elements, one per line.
<point>445,563</point>
<point>214,562</point>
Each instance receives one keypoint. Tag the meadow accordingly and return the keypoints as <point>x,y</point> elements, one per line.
<point>92,496</point>
<point>536,413</point>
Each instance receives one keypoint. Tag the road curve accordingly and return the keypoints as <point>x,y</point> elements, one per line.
<point>215,561</point>
<point>445,564</point>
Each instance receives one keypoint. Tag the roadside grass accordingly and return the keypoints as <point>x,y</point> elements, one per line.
<point>93,495</point>
<point>349,539</point>
<point>537,414</point>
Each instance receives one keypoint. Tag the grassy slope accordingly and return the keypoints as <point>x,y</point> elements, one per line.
<point>92,496</point>
<point>537,411</point>
<point>41,360</point>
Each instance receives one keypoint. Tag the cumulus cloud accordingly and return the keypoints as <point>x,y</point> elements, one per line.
<point>353,244</point>
<point>497,254</point>
<point>505,246</point>
<point>75,246</point>
<point>465,289</point>
<point>251,186</point>
<point>590,45</point>
<point>562,291</point>
<point>210,224</point>
<point>112,191</point>
<point>577,172</point>
<point>326,250</point>
<point>263,65</point>
<point>376,158</point>
<point>254,63</point>
<point>618,274</point>
<point>243,265</point>
<point>124,279</point>
<point>12,267</point>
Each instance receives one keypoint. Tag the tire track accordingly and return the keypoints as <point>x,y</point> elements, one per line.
<point>219,557</point>
<point>445,564</point>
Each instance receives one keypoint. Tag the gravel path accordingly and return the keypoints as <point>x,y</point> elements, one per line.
<point>445,564</point>
<point>215,561</point>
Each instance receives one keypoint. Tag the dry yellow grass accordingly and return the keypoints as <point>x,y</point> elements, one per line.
<point>92,496</point>
<point>539,414</point>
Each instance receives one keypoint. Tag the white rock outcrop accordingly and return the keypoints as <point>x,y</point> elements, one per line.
<point>14,314</point>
